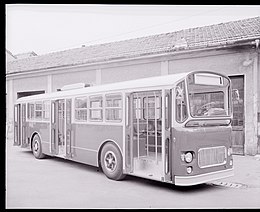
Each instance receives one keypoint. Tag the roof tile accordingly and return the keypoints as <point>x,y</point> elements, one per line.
<point>199,37</point>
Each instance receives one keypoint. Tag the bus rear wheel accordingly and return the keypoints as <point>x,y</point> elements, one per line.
<point>37,147</point>
<point>112,162</point>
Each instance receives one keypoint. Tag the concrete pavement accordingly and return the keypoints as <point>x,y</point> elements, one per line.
<point>247,172</point>
<point>56,183</point>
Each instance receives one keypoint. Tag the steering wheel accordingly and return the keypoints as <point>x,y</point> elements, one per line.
<point>205,108</point>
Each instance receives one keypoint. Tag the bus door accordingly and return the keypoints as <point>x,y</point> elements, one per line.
<point>144,135</point>
<point>166,134</point>
<point>23,126</point>
<point>68,128</point>
<point>58,127</point>
<point>17,126</point>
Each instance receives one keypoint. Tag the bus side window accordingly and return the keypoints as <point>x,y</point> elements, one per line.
<point>113,107</point>
<point>167,124</point>
<point>181,104</point>
<point>38,110</point>
<point>46,110</point>
<point>81,109</point>
<point>96,108</point>
<point>30,110</point>
<point>53,112</point>
<point>15,113</point>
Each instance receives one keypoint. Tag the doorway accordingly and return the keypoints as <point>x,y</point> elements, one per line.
<point>145,143</point>
<point>238,122</point>
<point>58,127</point>
<point>29,93</point>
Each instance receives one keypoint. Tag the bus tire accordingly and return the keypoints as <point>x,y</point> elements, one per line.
<point>37,147</point>
<point>112,162</point>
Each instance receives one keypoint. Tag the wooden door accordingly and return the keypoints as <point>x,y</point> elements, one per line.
<point>238,122</point>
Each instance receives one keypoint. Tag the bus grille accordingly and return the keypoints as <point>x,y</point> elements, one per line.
<point>212,156</point>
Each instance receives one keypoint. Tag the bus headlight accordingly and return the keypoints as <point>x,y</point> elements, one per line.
<point>188,157</point>
<point>189,169</point>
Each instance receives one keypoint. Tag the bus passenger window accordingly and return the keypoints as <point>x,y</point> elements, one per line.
<point>38,110</point>
<point>181,104</point>
<point>113,107</point>
<point>30,110</point>
<point>96,109</point>
<point>15,113</point>
<point>81,109</point>
<point>167,114</point>
<point>46,110</point>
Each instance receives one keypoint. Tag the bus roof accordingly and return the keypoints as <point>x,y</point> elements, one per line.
<point>112,87</point>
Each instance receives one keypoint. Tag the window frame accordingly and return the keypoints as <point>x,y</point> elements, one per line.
<point>29,112</point>
<point>210,92</point>
<point>100,108</point>
<point>46,110</point>
<point>158,107</point>
<point>81,109</point>
<point>114,96</point>
<point>185,102</point>
<point>38,110</point>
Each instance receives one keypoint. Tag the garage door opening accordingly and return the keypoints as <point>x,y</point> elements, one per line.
<point>29,93</point>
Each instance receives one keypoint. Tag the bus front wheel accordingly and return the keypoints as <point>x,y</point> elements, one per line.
<point>112,162</point>
<point>37,147</point>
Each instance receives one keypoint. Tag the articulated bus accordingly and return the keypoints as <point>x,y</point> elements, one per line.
<point>174,128</point>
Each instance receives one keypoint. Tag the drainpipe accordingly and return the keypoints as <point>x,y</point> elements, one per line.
<point>255,94</point>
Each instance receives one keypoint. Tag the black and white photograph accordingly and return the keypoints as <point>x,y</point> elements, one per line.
<point>132,106</point>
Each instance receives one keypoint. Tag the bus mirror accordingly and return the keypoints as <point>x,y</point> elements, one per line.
<point>179,92</point>
<point>235,94</point>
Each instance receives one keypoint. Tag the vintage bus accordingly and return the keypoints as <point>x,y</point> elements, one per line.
<point>174,128</point>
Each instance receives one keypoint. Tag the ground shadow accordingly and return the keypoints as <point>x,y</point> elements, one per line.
<point>68,163</point>
<point>168,186</point>
<point>136,180</point>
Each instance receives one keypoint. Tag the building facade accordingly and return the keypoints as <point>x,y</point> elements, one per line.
<point>230,48</point>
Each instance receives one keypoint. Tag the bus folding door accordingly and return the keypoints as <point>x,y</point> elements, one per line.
<point>25,143</point>
<point>128,135</point>
<point>17,130</point>
<point>167,135</point>
<point>54,133</point>
<point>58,127</point>
<point>146,134</point>
<point>68,128</point>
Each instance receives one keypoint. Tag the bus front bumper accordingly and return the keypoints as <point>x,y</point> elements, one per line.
<point>202,178</point>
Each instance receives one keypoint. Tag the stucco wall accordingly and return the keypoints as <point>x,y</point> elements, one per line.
<point>130,72</point>
<point>29,84</point>
<point>59,80</point>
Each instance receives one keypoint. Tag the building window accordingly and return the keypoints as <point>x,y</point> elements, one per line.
<point>81,109</point>
<point>95,108</point>
<point>113,107</point>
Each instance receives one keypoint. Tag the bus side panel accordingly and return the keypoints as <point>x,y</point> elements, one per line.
<point>195,139</point>
<point>86,140</point>
<point>43,129</point>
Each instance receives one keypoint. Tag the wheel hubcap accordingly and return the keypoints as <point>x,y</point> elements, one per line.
<point>36,146</point>
<point>110,161</point>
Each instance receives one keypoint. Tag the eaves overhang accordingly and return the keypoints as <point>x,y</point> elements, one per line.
<point>171,52</point>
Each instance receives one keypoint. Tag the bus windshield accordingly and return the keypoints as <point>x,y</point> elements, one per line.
<point>208,95</point>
